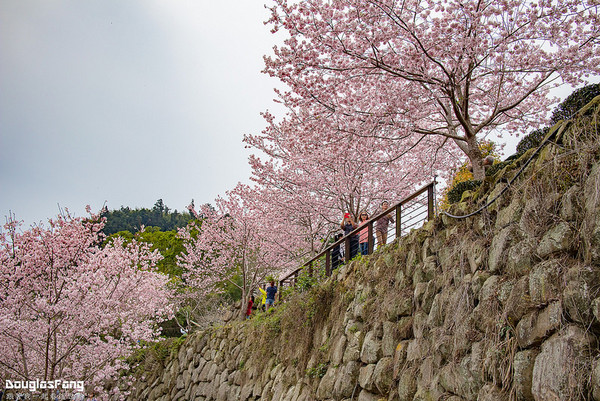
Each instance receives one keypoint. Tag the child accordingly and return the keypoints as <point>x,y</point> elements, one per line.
<point>250,304</point>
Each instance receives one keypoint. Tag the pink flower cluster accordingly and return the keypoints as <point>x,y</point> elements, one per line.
<point>72,309</point>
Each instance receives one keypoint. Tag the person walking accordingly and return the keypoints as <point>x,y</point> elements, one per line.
<point>271,291</point>
<point>382,224</point>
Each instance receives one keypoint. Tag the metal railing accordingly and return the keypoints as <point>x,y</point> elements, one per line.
<point>411,212</point>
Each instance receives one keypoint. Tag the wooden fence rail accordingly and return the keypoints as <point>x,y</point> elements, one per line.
<point>409,213</point>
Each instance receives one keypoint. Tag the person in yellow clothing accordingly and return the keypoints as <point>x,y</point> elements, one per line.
<point>264,298</point>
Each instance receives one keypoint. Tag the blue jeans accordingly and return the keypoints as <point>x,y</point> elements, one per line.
<point>364,248</point>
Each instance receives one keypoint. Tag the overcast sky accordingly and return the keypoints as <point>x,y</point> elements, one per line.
<point>127,101</point>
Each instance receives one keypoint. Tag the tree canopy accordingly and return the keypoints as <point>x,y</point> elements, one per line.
<point>127,219</point>
<point>72,309</point>
<point>428,76</point>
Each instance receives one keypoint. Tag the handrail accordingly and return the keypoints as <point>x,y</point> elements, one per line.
<point>429,188</point>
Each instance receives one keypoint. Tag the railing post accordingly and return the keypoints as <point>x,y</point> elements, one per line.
<point>279,290</point>
<point>398,221</point>
<point>347,250</point>
<point>371,239</point>
<point>430,211</point>
<point>292,279</point>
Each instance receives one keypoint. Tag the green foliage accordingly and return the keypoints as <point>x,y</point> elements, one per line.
<point>306,280</point>
<point>169,245</point>
<point>286,292</point>
<point>315,302</point>
<point>563,111</point>
<point>126,219</point>
<point>463,174</point>
<point>493,169</point>
<point>513,157</point>
<point>166,242</point>
<point>170,328</point>
<point>532,140</point>
<point>318,371</point>
<point>231,289</point>
<point>151,353</point>
<point>455,193</point>
<point>269,321</point>
<point>311,312</point>
<point>574,102</point>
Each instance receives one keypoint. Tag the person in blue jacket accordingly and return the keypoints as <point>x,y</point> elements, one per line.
<point>271,291</point>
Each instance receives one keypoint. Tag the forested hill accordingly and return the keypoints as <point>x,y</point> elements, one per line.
<point>127,219</point>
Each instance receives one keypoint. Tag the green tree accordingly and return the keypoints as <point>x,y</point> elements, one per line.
<point>132,220</point>
<point>574,102</point>
<point>168,244</point>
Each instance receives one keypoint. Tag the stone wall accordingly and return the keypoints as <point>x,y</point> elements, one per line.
<point>503,305</point>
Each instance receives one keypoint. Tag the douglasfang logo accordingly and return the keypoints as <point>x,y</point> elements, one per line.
<point>35,385</point>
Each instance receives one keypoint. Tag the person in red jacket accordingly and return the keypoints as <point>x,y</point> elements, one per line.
<point>250,304</point>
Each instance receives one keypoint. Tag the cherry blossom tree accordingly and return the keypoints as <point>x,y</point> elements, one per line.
<point>310,176</point>
<point>228,241</point>
<point>71,309</point>
<point>409,71</point>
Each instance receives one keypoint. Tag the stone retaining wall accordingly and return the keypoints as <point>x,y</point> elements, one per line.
<point>503,305</point>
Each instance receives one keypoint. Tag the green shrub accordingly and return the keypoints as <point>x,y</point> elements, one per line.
<point>306,281</point>
<point>269,321</point>
<point>464,173</point>
<point>146,358</point>
<point>493,169</point>
<point>532,140</point>
<point>455,194</point>
<point>512,158</point>
<point>574,102</point>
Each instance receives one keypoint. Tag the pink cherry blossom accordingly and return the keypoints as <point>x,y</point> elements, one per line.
<point>403,71</point>
<point>71,309</point>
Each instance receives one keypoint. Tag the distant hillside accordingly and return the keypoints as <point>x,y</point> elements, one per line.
<point>126,219</point>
